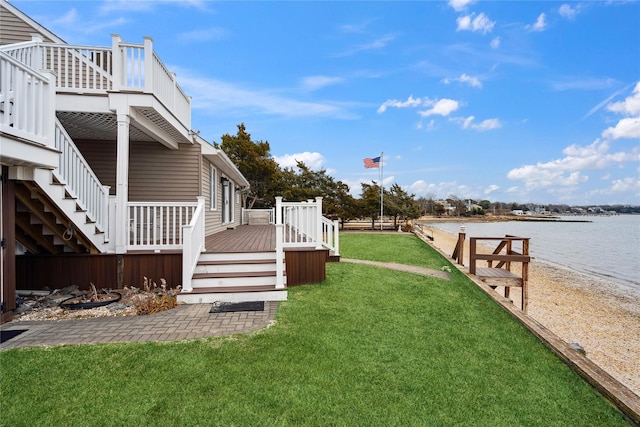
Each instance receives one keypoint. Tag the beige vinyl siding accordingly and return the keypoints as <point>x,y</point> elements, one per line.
<point>156,173</point>
<point>15,30</point>
<point>213,218</point>
<point>101,155</point>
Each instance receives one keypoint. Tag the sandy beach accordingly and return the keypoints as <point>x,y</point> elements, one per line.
<point>579,309</point>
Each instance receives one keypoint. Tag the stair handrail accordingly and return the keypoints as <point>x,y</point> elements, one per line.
<point>81,182</point>
<point>193,245</point>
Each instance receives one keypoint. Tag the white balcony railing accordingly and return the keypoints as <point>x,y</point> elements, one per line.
<point>156,226</point>
<point>97,70</point>
<point>26,98</point>
<point>81,182</point>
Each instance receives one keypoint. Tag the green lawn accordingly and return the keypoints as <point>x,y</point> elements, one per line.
<point>369,347</point>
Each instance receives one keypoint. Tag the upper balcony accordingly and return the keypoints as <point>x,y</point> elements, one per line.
<point>133,71</point>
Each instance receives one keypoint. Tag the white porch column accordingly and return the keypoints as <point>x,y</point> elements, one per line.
<point>122,184</point>
<point>318,224</point>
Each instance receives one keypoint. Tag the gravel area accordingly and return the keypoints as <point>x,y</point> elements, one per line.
<point>47,307</point>
<point>579,309</point>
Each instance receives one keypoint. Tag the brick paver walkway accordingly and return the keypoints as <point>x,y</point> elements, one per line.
<point>183,322</point>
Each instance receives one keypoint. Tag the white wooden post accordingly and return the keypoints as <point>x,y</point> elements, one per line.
<point>37,61</point>
<point>278,210</point>
<point>112,223</point>
<point>279,257</point>
<point>122,184</point>
<point>106,221</point>
<point>174,90</point>
<point>148,65</point>
<point>49,119</point>
<point>118,62</point>
<point>336,237</point>
<point>318,224</point>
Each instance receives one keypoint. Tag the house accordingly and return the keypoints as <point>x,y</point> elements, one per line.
<point>105,181</point>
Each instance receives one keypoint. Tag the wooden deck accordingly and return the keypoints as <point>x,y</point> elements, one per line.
<point>244,238</point>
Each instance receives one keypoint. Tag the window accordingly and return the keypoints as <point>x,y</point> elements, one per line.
<point>213,184</point>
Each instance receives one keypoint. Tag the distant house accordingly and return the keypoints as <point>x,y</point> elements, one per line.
<point>104,179</point>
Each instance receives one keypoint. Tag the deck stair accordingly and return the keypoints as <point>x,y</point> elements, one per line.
<point>234,277</point>
<point>50,207</point>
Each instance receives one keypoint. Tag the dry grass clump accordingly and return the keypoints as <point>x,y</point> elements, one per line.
<point>153,298</point>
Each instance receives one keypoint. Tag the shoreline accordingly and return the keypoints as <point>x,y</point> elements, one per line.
<point>579,309</point>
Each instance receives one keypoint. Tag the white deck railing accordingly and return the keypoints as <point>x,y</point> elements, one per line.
<point>26,98</point>
<point>258,216</point>
<point>193,245</point>
<point>304,225</point>
<point>81,182</point>
<point>157,225</point>
<point>331,235</point>
<point>121,67</point>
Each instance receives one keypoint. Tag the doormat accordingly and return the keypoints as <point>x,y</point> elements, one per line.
<point>230,307</point>
<point>7,335</point>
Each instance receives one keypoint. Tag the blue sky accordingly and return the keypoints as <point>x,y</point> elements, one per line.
<point>506,101</point>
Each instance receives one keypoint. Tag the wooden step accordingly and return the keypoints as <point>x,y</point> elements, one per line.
<point>238,261</point>
<point>229,289</point>
<point>271,273</point>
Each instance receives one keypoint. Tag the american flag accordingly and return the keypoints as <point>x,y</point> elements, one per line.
<point>372,162</point>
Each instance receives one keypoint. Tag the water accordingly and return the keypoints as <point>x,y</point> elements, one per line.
<point>607,246</point>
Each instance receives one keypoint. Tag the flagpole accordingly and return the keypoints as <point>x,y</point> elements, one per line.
<point>381,189</point>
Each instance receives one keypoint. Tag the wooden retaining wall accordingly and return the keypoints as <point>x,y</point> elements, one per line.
<point>103,270</point>
<point>34,272</point>
<point>305,266</point>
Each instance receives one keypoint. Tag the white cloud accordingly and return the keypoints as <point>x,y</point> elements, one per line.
<point>442,107</point>
<point>138,6</point>
<point>376,44</point>
<point>313,83</point>
<point>466,79</point>
<point>313,160</point>
<point>487,124</point>
<point>540,24</point>
<point>492,188</point>
<point>495,43</point>
<point>68,18</point>
<point>480,23</point>
<point>568,171</point>
<point>410,102</point>
<point>355,28</point>
<point>441,189</point>
<point>211,96</point>
<point>631,104</point>
<point>625,185</point>
<point>460,5</point>
<point>204,35</point>
<point>568,12</point>
<point>627,127</point>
